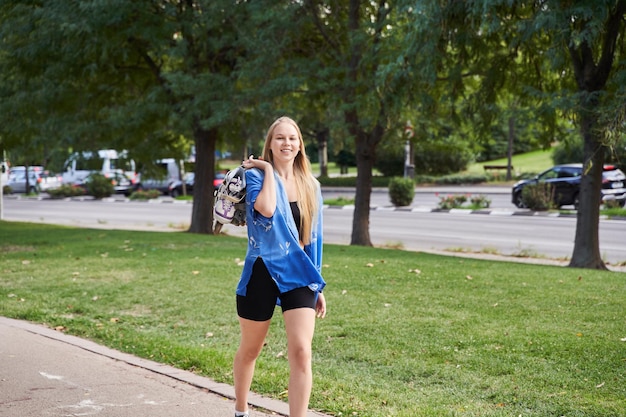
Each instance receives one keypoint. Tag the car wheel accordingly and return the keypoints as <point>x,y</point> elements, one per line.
<point>519,203</point>
<point>174,192</point>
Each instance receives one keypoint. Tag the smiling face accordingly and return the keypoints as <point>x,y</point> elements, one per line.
<point>285,143</point>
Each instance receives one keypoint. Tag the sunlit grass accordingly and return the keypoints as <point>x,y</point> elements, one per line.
<point>407,333</point>
<point>530,162</point>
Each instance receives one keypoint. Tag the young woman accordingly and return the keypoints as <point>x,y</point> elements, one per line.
<point>283,262</point>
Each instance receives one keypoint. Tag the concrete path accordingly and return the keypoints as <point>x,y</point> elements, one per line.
<point>44,372</point>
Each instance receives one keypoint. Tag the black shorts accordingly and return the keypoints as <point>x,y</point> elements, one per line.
<point>261,293</point>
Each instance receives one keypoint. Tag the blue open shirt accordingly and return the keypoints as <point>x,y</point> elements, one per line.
<point>276,241</point>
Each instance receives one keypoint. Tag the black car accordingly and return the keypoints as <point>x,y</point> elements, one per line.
<point>176,187</point>
<point>565,180</point>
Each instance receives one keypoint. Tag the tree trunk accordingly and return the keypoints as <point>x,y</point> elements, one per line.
<point>202,211</point>
<point>509,152</point>
<point>322,145</point>
<point>587,243</point>
<point>363,196</point>
<point>591,77</point>
<point>27,180</point>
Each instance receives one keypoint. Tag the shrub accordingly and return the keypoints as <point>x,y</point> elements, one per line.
<point>390,160</point>
<point>612,204</point>
<point>458,179</point>
<point>145,194</point>
<point>100,186</point>
<point>538,196</point>
<point>7,190</point>
<point>452,201</point>
<point>65,190</point>
<point>350,181</point>
<point>441,158</point>
<point>480,201</point>
<point>401,191</point>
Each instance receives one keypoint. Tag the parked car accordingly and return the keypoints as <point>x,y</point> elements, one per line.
<point>48,180</point>
<point>176,187</point>
<point>167,172</point>
<point>38,180</point>
<point>17,183</point>
<point>565,180</point>
<point>20,169</point>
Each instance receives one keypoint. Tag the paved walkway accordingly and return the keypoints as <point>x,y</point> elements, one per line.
<point>44,372</point>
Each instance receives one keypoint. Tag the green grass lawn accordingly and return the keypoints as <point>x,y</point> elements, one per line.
<point>534,162</point>
<point>407,334</point>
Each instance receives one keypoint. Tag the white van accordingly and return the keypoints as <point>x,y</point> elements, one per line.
<point>106,161</point>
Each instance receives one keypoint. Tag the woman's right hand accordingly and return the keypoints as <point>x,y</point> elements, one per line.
<point>255,163</point>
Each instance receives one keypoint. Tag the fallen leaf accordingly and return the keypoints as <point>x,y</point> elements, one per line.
<point>208,334</point>
<point>623,339</point>
<point>369,265</point>
<point>280,354</point>
<point>344,292</point>
<point>469,277</point>
<point>94,298</point>
<point>579,334</point>
<point>25,262</point>
<point>115,320</point>
<point>417,271</point>
<point>600,385</point>
<point>195,272</point>
<point>60,328</point>
<point>387,305</point>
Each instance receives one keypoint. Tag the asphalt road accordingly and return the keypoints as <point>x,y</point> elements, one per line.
<point>502,231</point>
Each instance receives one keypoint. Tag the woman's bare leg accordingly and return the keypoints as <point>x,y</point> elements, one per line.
<point>300,326</point>
<point>252,338</point>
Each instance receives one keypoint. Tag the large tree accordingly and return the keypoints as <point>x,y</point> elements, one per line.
<point>563,57</point>
<point>135,75</point>
<point>365,70</point>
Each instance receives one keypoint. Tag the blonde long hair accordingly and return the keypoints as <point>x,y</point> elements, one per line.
<point>306,183</point>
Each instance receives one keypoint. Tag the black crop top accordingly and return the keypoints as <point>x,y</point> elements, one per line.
<point>295,211</point>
